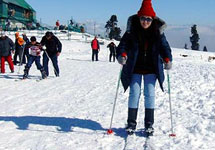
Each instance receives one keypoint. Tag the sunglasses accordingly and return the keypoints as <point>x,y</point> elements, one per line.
<point>146,19</point>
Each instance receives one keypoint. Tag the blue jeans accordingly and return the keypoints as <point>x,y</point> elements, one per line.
<point>31,61</point>
<point>149,90</point>
<point>54,62</point>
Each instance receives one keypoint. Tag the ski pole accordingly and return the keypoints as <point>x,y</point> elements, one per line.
<point>21,58</point>
<point>110,131</point>
<point>107,55</point>
<point>50,59</point>
<point>170,105</point>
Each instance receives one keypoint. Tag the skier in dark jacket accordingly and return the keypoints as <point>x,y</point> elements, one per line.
<point>53,49</point>
<point>19,45</point>
<point>34,56</point>
<point>26,50</point>
<point>112,48</point>
<point>6,47</point>
<point>142,51</point>
<point>95,48</point>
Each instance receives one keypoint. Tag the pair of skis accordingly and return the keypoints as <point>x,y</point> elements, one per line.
<point>130,141</point>
<point>37,80</point>
<point>147,145</point>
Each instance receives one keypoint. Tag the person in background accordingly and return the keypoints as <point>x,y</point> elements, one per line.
<point>34,56</point>
<point>57,24</point>
<point>7,25</point>
<point>19,43</point>
<point>6,47</point>
<point>112,48</point>
<point>143,50</point>
<point>38,26</point>
<point>95,48</point>
<point>26,50</point>
<point>52,51</point>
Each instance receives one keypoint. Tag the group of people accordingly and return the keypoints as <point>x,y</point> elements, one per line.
<point>50,45</point>
<point>143,52</point>
<point>96,48</point>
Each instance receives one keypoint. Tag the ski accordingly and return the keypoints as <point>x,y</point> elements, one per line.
<point>148,145</point>
<point>21,79</point>
<point>129,142</point>
<point>37,80</point>
<point>141,138</point>
<point>41,79</point>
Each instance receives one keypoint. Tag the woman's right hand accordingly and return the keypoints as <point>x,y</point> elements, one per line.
<point>122,60</point>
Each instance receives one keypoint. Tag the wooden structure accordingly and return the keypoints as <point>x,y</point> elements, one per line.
<point>13,12</point>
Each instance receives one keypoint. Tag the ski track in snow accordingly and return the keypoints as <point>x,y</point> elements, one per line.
<point>73,112</point>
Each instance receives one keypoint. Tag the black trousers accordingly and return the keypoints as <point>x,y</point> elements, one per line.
<point>112,55</point>
<point>95,54</point>
<point>18,52</point>
<point>25,56</point>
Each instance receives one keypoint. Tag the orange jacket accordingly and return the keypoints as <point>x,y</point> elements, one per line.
<point>19,39</point>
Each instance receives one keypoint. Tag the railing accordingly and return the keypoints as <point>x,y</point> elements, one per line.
<point>61,34</point>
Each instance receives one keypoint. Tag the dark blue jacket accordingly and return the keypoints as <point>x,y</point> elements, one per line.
<point>129,44</point>
<point>6,46</point>
<point>53,45</point>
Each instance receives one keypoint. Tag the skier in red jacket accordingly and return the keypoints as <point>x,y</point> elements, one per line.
<point>95,48</point>
<point>57,24</point>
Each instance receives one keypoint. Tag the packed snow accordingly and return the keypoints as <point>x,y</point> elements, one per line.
<point>73,111</point>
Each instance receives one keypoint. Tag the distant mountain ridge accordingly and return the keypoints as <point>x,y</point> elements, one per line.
<point>177,35</point>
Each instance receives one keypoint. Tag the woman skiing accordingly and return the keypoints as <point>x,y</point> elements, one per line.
<point>142,51</point>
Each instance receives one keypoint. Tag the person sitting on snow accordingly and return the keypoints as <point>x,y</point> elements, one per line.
<point>35,50</point>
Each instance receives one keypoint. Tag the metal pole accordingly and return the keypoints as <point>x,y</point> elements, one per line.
<point>170,104</point>
<point>110,131</point>
<point>94,28</point>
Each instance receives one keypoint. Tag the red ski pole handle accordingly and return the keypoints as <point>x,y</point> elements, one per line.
<point>172,135</point>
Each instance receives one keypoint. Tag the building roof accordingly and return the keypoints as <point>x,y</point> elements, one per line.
<point>21,3</point>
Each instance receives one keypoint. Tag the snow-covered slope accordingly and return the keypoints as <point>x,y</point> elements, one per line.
<point>73,112</point>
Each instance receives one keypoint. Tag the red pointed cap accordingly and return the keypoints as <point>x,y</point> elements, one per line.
<point>146,9</point>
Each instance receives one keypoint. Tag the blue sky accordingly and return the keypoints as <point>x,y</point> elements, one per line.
<point>175,12</point>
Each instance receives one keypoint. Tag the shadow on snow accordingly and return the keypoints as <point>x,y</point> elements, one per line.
<point>63,123</point>
<point>14,76</point>
<point>73,59</point>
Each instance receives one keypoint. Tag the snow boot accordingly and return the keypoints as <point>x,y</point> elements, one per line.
<point>132,117</point>
<point>149,131</point>
<point>149,121</point>
<point>26,70</point>
<point>43,73</point>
